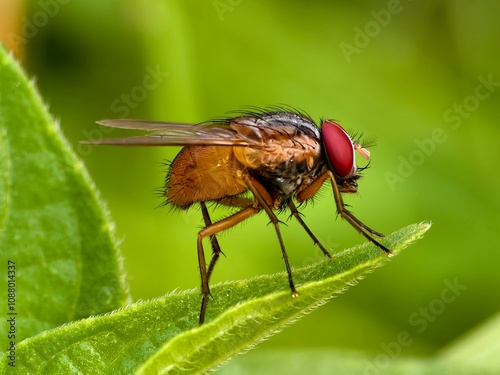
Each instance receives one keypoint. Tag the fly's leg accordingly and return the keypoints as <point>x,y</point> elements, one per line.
<point>351,219</point>
<point>296,214</point>
<point>210,231</point>
<point>310,190</point>
<point>216,251</point>
<point>265,201</point>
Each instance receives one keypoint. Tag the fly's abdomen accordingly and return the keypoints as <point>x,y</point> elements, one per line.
<point>200,174</point>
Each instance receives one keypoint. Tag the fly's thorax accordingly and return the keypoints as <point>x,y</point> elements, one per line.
<point>281,158</point>
<point>279,146</point>
<point>282,170</point>
<point>287,152</point>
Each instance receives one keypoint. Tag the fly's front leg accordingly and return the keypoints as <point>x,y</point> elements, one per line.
<point>351,219</point>
<point>310,190</point>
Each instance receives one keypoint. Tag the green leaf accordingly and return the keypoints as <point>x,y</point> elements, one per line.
<point>52,224</point>
<point>59,236</point>
<point>163,335</point>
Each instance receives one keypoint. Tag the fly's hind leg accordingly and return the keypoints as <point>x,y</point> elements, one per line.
<point>216,251</point>
<point>210,230</point>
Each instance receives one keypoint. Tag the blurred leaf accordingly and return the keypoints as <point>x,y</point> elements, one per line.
<point>52,223</point>
<point>163,335</point>
<point>328,361</point>
<point>478,348</point>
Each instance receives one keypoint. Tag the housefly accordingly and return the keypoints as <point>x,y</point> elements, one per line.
<point>268,160</point>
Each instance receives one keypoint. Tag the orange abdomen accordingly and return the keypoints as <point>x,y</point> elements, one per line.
<point>203,173</point>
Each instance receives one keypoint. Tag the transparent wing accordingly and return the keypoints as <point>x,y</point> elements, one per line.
<point>175,134</point>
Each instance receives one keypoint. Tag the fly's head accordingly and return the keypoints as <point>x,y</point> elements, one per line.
<point>339,150</point>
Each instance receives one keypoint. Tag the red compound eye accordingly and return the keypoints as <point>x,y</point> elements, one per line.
<point>339,149</point>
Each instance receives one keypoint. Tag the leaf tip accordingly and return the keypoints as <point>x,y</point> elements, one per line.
<point>422,228</point>
<point>425,225</point>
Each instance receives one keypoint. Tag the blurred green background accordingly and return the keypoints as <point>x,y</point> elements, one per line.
<point>423,78</point>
